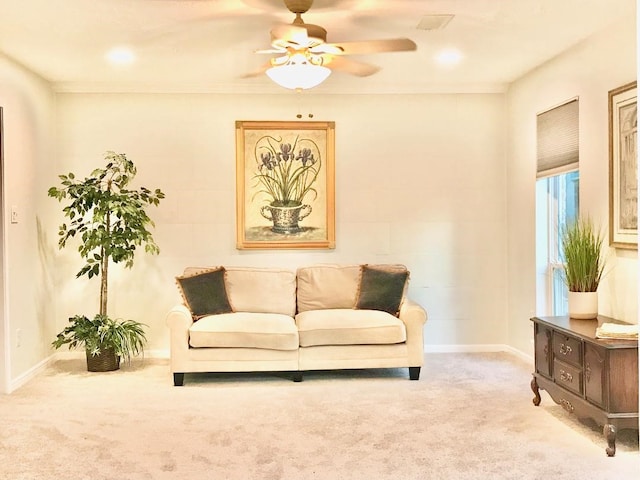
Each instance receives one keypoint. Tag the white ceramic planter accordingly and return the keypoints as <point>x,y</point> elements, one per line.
<point>583,305</point>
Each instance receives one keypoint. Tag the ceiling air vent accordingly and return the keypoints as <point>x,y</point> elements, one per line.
<point>434,22</point>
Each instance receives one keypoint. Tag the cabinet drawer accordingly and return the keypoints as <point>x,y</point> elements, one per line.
<point>567,376</point>
<point>567,349</point>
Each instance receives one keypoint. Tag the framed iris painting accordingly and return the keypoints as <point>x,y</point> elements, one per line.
<point>285,184</point>
<point>623,167</point>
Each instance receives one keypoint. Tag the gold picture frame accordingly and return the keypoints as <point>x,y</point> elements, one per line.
<point>285,185</point>
<point>623,167</point>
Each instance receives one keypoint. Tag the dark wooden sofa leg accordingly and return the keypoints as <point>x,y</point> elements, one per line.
<point>414,373</point>
<point>178,379</point>
<point>297,376</point>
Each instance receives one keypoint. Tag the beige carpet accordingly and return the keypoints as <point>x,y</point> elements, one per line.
<point>469,417</point>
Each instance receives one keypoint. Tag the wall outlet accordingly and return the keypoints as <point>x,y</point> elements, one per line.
<point>18,338</point>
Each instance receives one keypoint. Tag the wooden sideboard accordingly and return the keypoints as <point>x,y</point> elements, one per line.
<point>589,377</point>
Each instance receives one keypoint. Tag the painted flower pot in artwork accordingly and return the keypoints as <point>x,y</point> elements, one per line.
<point>285,218</point>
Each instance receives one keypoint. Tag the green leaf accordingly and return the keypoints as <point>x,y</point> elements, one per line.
<point>582,250</point>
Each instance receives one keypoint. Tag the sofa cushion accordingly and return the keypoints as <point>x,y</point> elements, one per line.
<point>271,331</point>
<point>349,327</point>
<point>262,290</point>
<point>327,286</point>
<point>259,290</point>
<point>382,288</point>
<point>204,292</point>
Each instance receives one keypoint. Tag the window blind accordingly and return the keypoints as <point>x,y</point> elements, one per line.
<point>557,140</point>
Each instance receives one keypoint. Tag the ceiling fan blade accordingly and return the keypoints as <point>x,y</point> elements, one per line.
<point>271,51</point>
<point>373,46</point>
<point>260,71</point>
<point>359,69</point>
<point>290,34</point>
<point>326,48</point>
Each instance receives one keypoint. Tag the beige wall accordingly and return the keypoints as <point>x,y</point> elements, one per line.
<point>28,107</point>
<point>588,71</point>
<point>419,180</point>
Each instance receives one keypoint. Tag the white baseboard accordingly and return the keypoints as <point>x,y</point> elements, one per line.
<point>76,354</point>
<point>520,354</point>
<point>164,353</point>
<point>68,354</point>
<point>159,354</point>
<point>24,378</point>
<point>475,348</point>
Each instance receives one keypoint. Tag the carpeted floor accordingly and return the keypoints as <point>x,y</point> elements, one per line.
<point>469,417</point>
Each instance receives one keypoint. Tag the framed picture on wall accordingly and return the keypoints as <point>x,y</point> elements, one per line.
<point>285,184</point>
<point>623,167</point>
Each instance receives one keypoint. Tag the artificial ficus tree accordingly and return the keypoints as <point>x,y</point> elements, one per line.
<point>109,218</point>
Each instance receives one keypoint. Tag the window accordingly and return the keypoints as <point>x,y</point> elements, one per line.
<point>557,201</point>
<point>557,205</point>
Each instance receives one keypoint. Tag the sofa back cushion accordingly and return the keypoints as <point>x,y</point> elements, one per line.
<point>259,290</point>
<point>327,286</point>
<point>262,290</point>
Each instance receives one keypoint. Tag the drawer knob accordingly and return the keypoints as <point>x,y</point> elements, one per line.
<point>565,349</point>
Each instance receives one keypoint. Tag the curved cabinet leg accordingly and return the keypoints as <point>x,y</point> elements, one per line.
<point>297,377</point>
<point>178,379</point>
<point>610,434</point>
<point>536,391</point>
<point>414,373</point>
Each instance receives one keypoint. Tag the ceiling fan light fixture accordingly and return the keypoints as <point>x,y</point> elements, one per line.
<point>298,73</point>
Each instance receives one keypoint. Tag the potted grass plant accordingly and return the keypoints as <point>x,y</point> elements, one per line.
<point>105,340</point>
<point>110,220</point>
<point>584,266</point>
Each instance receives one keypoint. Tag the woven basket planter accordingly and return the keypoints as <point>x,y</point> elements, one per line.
<point>105,361</point>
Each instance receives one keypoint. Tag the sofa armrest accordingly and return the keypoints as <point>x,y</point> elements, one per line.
<point>414,317</point>
<point>179,321</point>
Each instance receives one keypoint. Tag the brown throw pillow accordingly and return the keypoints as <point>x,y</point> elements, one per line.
<point>381,289</point>
<point>204,293</point>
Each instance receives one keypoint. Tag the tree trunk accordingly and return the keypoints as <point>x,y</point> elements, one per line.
<point>104,280</point>
<point>104,272</point>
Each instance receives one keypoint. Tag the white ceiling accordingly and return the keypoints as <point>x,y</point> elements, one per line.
<point>207,45</point>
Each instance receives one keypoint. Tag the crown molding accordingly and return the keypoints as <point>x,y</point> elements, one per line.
<point>272,89</point>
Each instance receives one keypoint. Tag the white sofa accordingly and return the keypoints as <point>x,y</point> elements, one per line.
<point>315,318</point>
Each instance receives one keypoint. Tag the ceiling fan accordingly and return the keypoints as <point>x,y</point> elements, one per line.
<point>306,59</point>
